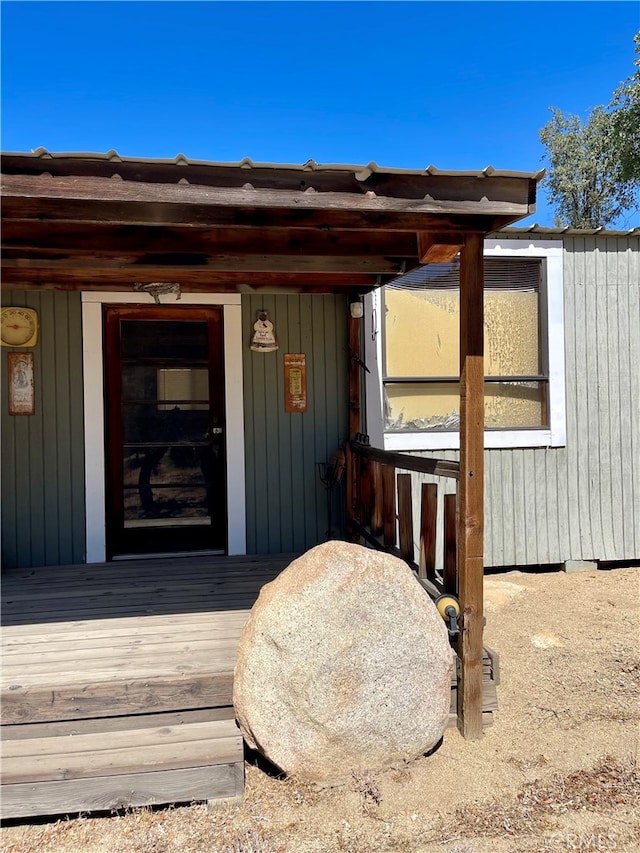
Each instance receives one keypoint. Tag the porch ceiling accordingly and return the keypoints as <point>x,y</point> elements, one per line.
<point>105,222</point>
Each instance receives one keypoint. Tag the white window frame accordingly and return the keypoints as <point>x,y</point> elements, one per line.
<point>550,252</point>
<point>92,336</point>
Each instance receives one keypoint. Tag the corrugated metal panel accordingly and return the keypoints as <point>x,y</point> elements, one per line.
<point>539,231</point>
<point>43,455</point>
<point>286,502</point>
<point>362,171</point>
<point>582,501</point>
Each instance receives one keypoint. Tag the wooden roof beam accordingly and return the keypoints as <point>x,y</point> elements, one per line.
<point>166,262</point>
<point>107,199</point>
<point>45,277</point>
<point>194,216</point>
<point>33,235</point>
<point>460,186</point>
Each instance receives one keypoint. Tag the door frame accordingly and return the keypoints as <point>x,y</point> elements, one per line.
<point>94,424</point>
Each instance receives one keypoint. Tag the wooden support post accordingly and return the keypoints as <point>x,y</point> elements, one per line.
<point>389,505</point>
<point>405,517</point>
<point>471,497</point>
<point>376,511</point>
<point>428,518</point>
<point>450,550</point>
<point>355,421</point>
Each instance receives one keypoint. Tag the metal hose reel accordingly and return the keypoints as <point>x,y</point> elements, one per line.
<point>448,607</point>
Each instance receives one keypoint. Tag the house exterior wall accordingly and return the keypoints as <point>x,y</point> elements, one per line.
<point>286,501</point>
<point>43,454</point>
<point>43,477</point>
<point>580,501</point>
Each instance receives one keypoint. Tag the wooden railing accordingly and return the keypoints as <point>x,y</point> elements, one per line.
<point>380,510</point>
<point>380,496</point>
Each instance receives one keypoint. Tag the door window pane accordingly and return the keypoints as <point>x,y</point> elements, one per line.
<point>164,339</point>
<point>166,483</point>
<point>171,424</point>
<point>182,384</point>
<point>172,507</point>
<point>149,382</point>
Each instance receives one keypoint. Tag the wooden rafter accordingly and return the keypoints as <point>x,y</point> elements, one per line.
<point>435,248</point>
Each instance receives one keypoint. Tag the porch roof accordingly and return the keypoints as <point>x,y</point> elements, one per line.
<point>84,221</point>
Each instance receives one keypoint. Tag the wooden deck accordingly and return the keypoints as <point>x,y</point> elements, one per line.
<point>117,682</point>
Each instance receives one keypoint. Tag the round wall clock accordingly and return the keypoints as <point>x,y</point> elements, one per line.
<point>18,327</point>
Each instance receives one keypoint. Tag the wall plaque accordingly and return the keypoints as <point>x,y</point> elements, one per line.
<point>21,392</point>
<point>295,382</point>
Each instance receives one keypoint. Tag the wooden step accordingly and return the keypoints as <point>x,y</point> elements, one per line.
<point>51,771</point>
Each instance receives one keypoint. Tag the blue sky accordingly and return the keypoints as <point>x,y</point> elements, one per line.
<point>459,85</point>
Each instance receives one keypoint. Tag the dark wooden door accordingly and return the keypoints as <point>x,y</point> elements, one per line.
<point>166,472</point>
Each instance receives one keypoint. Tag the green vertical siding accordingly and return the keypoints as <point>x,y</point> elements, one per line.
<point>43,519</point>
<point>286,502</point>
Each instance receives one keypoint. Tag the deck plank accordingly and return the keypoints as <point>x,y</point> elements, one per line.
<point>152,622</point>
<point>109,698</point>
<point>130,751</point>
<point>139,633</point>
<point>105,725</point>
<point>135,656</point>
<point>121,792</point>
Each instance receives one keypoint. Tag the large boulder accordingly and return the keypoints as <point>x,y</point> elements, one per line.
<point>344,663</point>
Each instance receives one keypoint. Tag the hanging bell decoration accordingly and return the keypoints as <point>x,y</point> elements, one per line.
<point>264,337</point>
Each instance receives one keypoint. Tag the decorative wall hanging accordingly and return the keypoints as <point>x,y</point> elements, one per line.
<point>264,336</point>
<point>295,382</point>
<point>21,391</point>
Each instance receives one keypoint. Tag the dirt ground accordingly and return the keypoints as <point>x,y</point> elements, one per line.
<point>558,771</point>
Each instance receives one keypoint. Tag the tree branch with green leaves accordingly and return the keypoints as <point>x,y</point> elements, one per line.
<point>594,165</point>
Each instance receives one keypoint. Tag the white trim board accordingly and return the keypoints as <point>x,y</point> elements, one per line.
<point>92,356</point>
<point>551,252</point>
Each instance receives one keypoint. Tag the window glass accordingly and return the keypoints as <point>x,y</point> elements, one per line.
<point>512,333</point>
<point>164,339</point>
<point>421,348</point>
<point>436,406</point>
